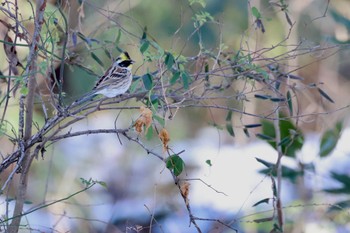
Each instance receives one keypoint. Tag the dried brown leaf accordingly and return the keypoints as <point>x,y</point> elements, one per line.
<point>138,125</point>
<point>165,138</point>
<point>145,119</point>
<point>185,191</point>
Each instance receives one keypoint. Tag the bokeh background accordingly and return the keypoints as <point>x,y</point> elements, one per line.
<point>140,195</point>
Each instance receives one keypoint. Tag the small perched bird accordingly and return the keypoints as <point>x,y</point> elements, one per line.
<point>117,79</point>
<point>114,82</point>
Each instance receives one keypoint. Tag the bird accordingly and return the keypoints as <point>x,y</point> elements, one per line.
<point>117,79</point>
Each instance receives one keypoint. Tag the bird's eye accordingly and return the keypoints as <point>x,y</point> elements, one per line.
<point>125,63</point>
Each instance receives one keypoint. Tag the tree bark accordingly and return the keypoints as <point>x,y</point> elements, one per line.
<point>26,113</point>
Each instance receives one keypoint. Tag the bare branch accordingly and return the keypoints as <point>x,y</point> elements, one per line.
<point>27,124</point>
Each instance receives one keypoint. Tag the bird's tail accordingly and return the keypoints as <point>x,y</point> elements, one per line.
<point>87,97</point>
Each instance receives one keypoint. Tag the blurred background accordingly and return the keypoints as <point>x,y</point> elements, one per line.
<point>225,177</point>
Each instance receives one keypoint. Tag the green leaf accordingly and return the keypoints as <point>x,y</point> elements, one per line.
<point>144,34</point>
<point>152,102</point>
<point>24,90</point>
<point>330,139</point>
<point>147,81</point>
<point>292,76</point>
<point>102,183</point>
<point>285,141</point>
<point>252,125</point>
<point>246,132</point>
<point>2,128</point>
<point>159,49</point>
<point>260,25</point>
<point>9,199</point>
<point>229,116</point>
<point>43,67</point>
<point>175,164</point>
<point>274,187</point>
<point>201,17</point>
<point>93,55</point>
<point>277,99</point>
<point>344,179</point>
<point>135,84</point>
<point>144,46</point>
<point>339,206</point>
<point>169,60</point>
<point>290,103</point>
<point>266,200</point>
<point>288,19</point>
<point>155,102</point>
<point>160,120</point>
<point>276,228</point>
<point>264,137</point>
<point>208,161</point>
<point>149,133</point>
<point>185,79</point>
<point>229,126</point>
<point>206,70</point>
<point>265,74</point>
<point>87,40</point>
<point>325,95</point>
<point>265,163</point>
<point>287,130</point>
<point>117,39</point>
<point>108,54</point>
<point>277,85</point>
<point>229,129</point>
<point>340,18</point>
<point>175,77</point>
<point>287,172</point>
<point>263,97</point>
<point>86,182</point>
<point>219,127</point>
<point>201,2</point>
<point>256,12</point>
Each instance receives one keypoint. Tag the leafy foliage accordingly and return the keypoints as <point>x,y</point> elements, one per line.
<point>291,138</point>
<point>330,139</point>
<point>175,164</point>
<point>288,173</point>
<point>201,2</point>
<point>265,200</point>
<point>229,126</point>
<point>343,190</point>
<point>344,180</point>
<point>147,81</point>
<point>341,19</point>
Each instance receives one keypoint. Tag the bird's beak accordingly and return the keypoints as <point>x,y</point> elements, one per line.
<point>132,61</point>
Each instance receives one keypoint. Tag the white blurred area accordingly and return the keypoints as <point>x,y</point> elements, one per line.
<point>139,185</point>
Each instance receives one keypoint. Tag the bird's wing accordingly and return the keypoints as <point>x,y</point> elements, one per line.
<point>112,76</point>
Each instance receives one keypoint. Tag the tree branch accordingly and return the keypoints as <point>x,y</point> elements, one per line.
<point>28,113</point>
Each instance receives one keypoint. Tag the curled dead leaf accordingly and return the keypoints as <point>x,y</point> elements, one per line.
<point>165,138</point>
<point>138,125</point>
<point>185,190</point>
<point>145,119</point>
